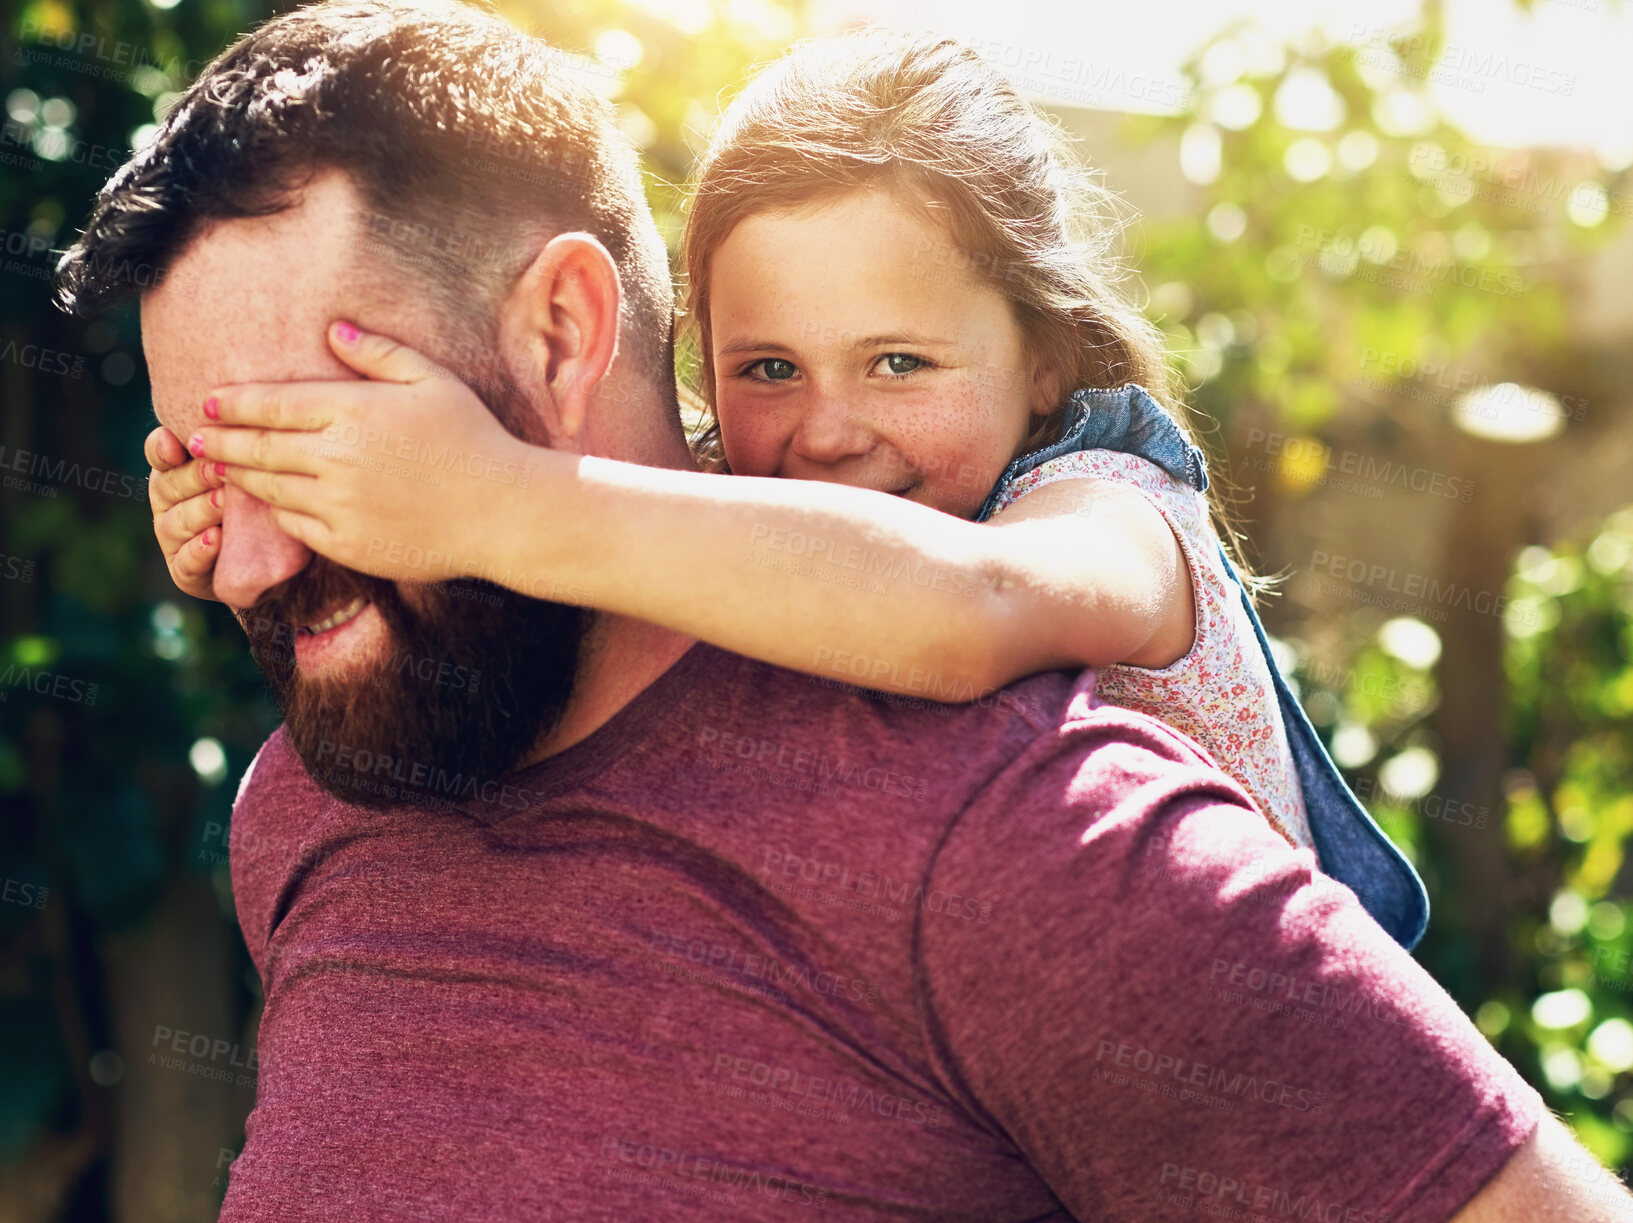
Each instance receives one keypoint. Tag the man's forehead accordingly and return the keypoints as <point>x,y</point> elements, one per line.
<point>249,299</point>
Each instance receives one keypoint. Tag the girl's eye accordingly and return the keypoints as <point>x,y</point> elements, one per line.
<point>772,369</point>
<point>901,363</point>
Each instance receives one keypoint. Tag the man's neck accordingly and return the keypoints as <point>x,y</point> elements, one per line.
<point>620,659</point>
<point>621,656</point>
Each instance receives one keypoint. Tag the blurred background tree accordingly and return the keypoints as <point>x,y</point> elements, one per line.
<point>1349,275</point>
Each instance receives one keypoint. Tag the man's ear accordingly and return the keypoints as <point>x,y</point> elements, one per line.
<point>558,330</point>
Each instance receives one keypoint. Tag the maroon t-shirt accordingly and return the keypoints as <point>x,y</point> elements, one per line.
<point>764,948</point>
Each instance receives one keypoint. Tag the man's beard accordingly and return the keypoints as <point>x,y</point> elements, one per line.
<point>473,675</point>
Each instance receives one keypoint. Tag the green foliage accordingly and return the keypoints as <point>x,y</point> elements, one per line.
<point>1570,812</point>
<point>1319,247</point>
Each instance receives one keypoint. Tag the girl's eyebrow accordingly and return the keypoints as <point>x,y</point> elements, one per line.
<point>867,341</point>
<point>737,346</point>
<point>900,337</point>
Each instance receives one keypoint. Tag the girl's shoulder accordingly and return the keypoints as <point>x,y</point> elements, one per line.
<point>1180,502</point>
<point>1120,434</point>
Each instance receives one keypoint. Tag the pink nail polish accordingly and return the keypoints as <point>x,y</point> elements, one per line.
<point>347,333</point>
<point>195,446</point>
<point>209,539</point>
<point>211,410</point>
<point>220,469</point>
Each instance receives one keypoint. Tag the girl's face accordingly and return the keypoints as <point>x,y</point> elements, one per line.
<point>851,343</point>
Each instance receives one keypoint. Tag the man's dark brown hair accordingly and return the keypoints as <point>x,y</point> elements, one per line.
<point>469,142</point>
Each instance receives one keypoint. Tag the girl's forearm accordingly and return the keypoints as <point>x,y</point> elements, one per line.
<point>821,578</point>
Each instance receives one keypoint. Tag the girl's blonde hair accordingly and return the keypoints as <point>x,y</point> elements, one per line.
<point>928,119</point>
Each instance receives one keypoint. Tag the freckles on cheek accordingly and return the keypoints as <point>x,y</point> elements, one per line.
<point>956,424</point>
<point>748,438</point>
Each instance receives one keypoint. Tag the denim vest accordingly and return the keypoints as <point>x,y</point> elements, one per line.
<point>1349,845</point>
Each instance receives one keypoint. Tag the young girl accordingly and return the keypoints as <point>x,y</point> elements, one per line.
<point>894,282</point>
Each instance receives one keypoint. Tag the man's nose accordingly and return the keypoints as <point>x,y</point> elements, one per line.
<point>255,555</point>
<point>832,427</point>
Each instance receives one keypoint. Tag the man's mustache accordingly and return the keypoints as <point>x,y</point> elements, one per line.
<point>318,590</point>
<point>313,593</point>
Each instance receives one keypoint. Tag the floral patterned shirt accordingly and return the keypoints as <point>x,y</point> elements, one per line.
<point>1220,693</point>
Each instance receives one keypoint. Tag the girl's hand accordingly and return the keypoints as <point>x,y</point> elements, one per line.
<point>402,475</point>
<point>186,498</point>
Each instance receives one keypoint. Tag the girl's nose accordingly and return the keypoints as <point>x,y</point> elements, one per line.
<point>832,428</point>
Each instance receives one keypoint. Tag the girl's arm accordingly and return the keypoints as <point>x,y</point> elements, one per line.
<point>861,585</point>
<point>822,578</point>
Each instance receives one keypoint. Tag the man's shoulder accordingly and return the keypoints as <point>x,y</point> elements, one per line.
<point>272,816</point>
<point>995,741</point>
<point>1027,709</point>
<point>276,796</point>
<point>275,767</point>
<point>1103,779</point>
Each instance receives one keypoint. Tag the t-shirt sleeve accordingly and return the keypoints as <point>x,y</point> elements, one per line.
<point>1170,1012</point>
<point>264,842</point>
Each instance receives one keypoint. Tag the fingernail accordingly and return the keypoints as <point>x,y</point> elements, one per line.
<point>211,410</point>
<point>347,333</point>
<point>195,446</point>
<point>209,539</point>
<point>220,469</point>
<point>215,498</point>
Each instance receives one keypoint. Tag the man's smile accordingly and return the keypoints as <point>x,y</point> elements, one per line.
<point>337,618</point>
<point>339,636</point>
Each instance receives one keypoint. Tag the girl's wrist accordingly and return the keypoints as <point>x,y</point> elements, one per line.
<point>531,511</point>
